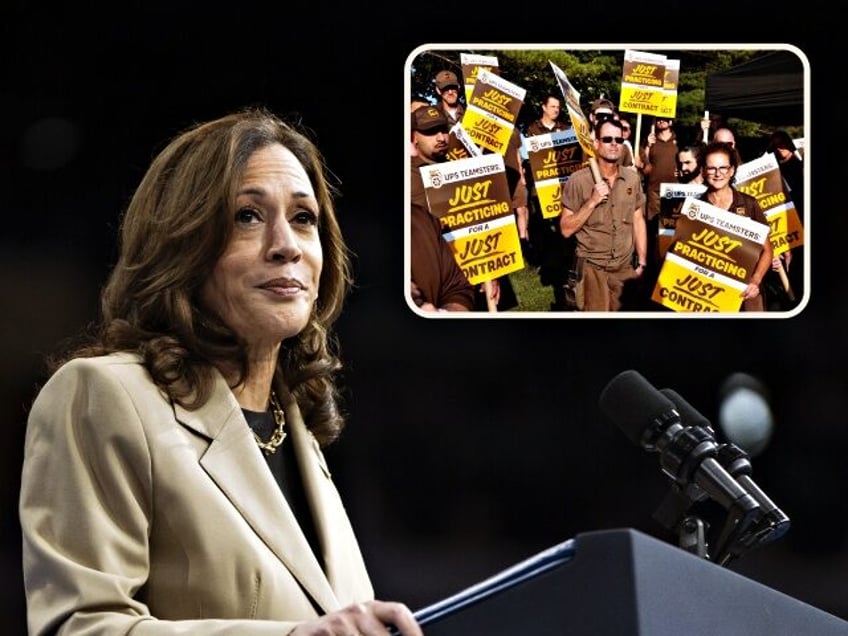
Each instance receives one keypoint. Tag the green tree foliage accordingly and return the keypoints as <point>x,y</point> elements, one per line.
<point>593,73</point>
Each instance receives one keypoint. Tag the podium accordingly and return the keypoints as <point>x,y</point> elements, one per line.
<point>622,582</point>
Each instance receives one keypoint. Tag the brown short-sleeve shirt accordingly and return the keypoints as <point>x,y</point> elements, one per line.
<point>606,239</point>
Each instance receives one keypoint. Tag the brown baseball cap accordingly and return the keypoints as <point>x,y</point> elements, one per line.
<point>425,118</point>
<point>446,78</point>
<point>603,105</point>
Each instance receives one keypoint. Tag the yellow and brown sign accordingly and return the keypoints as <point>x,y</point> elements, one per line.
<point>686,287</point>
<point>492,111</point>
<point>710,259</point>
<point>642,82</point>
<point>668,106</point>
<point>459,145</point>
<point>761,179</point>
<point>471,199</point>
<point>554,157</point>
<point>672,196</point>
<point>472,64</point>
<point>579,122</point>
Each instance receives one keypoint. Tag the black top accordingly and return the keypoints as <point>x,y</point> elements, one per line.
<point>283,465</point>
<point>792,171</point>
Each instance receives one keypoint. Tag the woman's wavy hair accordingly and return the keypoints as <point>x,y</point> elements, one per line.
<point>719,147</point>
<point>175,228</point>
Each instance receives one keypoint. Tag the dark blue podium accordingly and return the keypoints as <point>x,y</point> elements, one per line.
<point>623,583</point>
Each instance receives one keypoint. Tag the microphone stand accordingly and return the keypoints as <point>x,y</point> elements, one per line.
<point>693,536</point>
<point>684,450</point>
<point>770,522</point>
<point>673,514</point>
<point>739,533</point>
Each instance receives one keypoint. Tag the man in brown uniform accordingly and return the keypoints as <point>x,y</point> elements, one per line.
<point>448,89</point>
<point>430,143</point>
<point>550,250</point>
<point>607,218</point>
<point>438,283</point>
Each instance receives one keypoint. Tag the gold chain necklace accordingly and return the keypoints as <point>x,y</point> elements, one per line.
<point>279,434</point>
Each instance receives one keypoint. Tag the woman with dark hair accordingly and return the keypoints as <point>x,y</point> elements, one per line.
<point>173,477</point>
<point>719,161</point>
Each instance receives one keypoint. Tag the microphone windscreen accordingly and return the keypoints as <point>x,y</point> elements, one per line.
<point>689,415</point>
<point>633,404</point>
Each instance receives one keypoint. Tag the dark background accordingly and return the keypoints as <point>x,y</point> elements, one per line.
<point>471,443</point>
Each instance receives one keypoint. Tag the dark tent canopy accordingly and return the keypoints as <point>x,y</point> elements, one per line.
<point>768,89</point>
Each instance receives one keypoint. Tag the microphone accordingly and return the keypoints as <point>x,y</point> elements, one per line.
<point>688,454</point>
<point>773,523</point>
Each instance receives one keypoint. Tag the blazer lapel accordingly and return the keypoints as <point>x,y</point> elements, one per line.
<point>342,558</point>
<point>235,463</point>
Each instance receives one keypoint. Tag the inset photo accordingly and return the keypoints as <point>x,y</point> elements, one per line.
<point>567,181</point>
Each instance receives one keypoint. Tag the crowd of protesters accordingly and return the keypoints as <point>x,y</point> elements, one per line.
<point>633,170</point>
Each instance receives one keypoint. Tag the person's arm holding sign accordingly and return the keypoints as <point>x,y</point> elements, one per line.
<point>643,158</point>
<point>437,282</point>
<point>763,265</point>
<point>571,220</point>
<point>492,289</point>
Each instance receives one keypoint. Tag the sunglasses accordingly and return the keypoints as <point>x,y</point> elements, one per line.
<point>609,140</point>
<point>452,87</point>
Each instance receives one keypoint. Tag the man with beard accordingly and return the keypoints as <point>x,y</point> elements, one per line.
<point>438,283</point>
<point>608,220</point>
<point>688,174</point>
<point>688,166</point>
<point>688,171</point>
<point>430,143</point>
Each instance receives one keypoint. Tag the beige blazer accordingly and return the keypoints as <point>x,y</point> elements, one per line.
<point>138,515</point>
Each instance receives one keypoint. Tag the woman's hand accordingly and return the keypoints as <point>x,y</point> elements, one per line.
<point>362,619</point>
<point>751,291</point>
<point>494,291</point>
<point>782,261</point>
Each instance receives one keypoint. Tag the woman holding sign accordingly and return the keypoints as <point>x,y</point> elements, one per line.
<point>719,163</point>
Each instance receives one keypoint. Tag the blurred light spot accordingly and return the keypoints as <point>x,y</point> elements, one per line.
<point>745,414</point>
